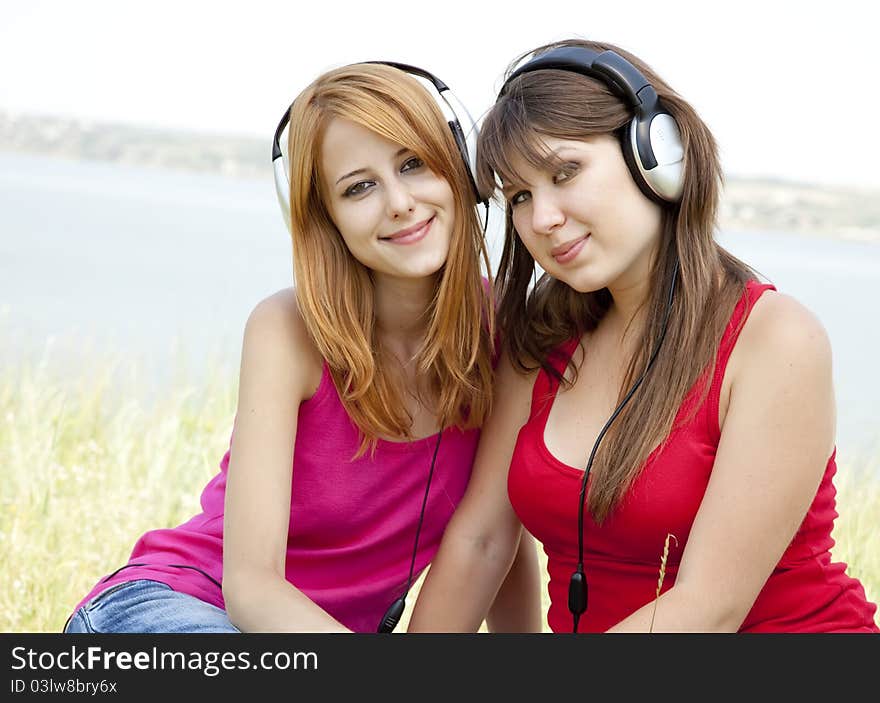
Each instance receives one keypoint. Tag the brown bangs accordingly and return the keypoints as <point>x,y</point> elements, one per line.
<point>555,103</point>
<point>505,134</point>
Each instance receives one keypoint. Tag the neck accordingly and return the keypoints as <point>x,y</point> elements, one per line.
<point>630,293</point>
<point>401,305</point>
<point>628,307</point>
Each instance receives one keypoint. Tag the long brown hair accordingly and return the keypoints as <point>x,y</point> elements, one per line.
<point>335,291</point>
<point>535,323</point>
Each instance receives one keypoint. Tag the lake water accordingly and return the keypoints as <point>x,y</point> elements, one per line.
<point>164,267</point>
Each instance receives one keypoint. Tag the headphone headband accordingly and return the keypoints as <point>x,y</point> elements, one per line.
<point>652,143</point>
<point>618,73</point>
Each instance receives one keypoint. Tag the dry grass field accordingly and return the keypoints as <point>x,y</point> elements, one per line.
<point>91,463</point>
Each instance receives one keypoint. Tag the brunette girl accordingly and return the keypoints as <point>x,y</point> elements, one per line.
<point>656,401</point>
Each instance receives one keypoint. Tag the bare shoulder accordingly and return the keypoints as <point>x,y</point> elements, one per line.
<point>512,378</point>
<point>276,340</point>
<point>278,311</point>
<point>782,365</point>
<point>782,344</point>
<point>781,327</point>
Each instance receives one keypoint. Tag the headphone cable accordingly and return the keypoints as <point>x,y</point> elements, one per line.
<point>395,610</point>
<point>577,587</point>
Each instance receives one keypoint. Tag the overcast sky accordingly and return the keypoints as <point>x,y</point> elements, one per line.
<point>789,88</point>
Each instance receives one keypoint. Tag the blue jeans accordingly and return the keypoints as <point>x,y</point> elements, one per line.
<point>147,606</point>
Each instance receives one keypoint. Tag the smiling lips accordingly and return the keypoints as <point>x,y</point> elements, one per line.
<point>410,235</point>
<point>566,252</point>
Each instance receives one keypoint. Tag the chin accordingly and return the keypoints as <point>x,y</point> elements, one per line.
<point>581,281</point>
<point>429,269</point>
<point>423,268</point>
<point>425,264</point>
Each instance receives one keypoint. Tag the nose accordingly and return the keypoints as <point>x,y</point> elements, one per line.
<point>547,216</point>
<point>399,198</point>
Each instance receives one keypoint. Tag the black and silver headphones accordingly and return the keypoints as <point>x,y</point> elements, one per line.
<point>463,127</point>
<point>652,148</point>
<point>652,140</point>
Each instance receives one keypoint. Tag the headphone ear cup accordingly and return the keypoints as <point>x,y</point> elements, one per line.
<point>461,142</point>
<point>464,131</point>
<point>281,170</point>
<point>664,182</point>
<point>631,156</point>
<point>667,177</point>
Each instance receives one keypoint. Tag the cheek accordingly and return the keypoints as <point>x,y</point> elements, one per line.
<point>629,216</point>
<point>522,224</point>
<point>531,243</point>
<point>355,221</point>
<point>643,220</point>
<point>351,243</point>
<point>432,189</point>
<point>344,226</point>
<point>445,198</point>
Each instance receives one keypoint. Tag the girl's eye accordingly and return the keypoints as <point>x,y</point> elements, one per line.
<point>411,164</point>
<point>566,171</point>
<point>519,197</point>
<point>358,188</point>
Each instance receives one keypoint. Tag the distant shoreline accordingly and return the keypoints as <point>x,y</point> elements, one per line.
<point>767,204</point>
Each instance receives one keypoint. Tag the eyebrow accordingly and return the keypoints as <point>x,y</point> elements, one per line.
<point>363,170</point>
<point>513,186</point>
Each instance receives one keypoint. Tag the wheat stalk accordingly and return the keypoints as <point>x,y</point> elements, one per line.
<point>669,536</point>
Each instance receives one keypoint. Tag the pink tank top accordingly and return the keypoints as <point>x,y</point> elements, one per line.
<point>806,592</point>
<point>352,522</point>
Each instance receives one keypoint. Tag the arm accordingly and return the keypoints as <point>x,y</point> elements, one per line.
<point>776,437</point>
<point>279,369</point>
<point>517,606</point>
<point>483,535</point>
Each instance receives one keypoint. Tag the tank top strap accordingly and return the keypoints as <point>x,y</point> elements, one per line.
<point>753,291</point>
<point>545,386</point>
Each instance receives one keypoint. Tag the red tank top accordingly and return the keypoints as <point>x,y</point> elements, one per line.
<point>806,592</point>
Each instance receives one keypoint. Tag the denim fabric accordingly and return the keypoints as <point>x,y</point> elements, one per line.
<point>147,606</point>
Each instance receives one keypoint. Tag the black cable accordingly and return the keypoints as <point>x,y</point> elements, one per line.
<point>395,610</point>
<point>577,587</point>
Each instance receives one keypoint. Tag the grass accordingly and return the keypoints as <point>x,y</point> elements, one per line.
<point>92,462</point>
<point>89,465</point>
